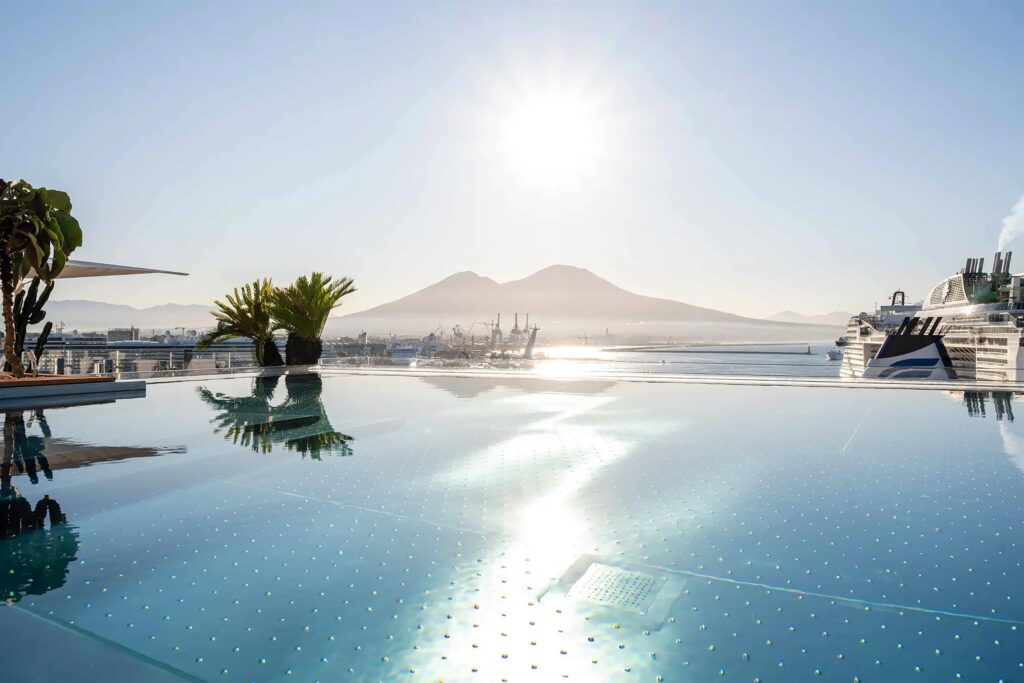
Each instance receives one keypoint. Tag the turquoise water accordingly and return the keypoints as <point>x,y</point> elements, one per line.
<point>466,529</point>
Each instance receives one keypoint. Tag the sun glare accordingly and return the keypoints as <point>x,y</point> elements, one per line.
<point>551,138</point>
<point>546,129</point>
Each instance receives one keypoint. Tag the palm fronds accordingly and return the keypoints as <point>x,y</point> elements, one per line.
<point>245,313</point>
<point>302,308</point>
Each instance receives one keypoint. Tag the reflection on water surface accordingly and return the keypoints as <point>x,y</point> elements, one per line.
<point>525,530</point>
<point>33,559</point>
<point>297,420</point>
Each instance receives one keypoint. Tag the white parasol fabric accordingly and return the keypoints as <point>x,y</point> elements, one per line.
<point>90,269</point>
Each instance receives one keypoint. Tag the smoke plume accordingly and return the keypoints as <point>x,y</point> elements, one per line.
<point>1013,225</point>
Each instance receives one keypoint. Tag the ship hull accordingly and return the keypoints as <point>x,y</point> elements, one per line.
<point>982,344</point>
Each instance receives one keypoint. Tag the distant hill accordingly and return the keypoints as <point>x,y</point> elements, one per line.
<point>554,292</point>
<point>561,299</point>
<point>833,318</point>
<point>85,315</point>
<point>564,300</point>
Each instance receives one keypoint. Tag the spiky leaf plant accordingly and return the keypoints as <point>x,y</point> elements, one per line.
<point>302,309</point>
<point>246,313</point>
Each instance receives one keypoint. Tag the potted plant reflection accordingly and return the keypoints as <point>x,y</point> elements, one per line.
<point>297,420</point>
<point>37,559</point>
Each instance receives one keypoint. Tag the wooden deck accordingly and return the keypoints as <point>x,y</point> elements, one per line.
<point>8,382</point>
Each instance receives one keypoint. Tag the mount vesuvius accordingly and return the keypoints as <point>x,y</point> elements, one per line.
<point>560,298</point>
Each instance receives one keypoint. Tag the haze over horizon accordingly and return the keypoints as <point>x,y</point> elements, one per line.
<point>808,157</point>
<point>565,301</point>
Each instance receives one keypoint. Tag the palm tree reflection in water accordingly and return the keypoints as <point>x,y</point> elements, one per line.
<point>299,422</point>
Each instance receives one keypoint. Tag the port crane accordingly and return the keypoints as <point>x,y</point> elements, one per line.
<point>494,336</point>
<point>460,335</point>
<point>513,335</point>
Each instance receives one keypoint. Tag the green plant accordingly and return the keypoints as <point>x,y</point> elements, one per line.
<point>302,309</point>
<point>37,233</point>
<point>28,310</point>
<point>246,313</point>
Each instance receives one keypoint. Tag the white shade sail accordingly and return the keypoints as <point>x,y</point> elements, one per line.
<point>90,269</point>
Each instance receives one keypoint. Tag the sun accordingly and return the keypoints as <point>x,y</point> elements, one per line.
<point>550,127</point>
<point>551,137</point>
<point>545,130</point>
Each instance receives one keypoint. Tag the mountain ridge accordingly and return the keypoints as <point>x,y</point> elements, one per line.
<point>568,302</point>
<point>561,298</point>
<point>90,315</point>
<point>559,291</point>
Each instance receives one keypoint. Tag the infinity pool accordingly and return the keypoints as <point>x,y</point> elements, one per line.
<point>465,529</point>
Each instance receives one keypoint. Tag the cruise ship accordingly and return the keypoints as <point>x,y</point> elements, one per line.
<point>972,322</point>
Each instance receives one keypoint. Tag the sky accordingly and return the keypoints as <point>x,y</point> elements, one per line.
<point>746,156</point>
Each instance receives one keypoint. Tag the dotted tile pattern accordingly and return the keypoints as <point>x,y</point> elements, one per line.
<point>615,587</point>
<point>848,536</point>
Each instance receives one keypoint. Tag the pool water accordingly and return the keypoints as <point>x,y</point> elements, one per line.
<point>467,529</point>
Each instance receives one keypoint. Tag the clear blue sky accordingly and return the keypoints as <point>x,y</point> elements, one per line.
<point>751,157</point>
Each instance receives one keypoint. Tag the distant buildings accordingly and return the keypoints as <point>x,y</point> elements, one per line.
<point>130,349</point>
<point>118,334</point>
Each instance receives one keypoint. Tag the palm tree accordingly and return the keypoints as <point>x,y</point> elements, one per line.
<point>302,308</point>
<point>37,233</point>
<point>247,314</point>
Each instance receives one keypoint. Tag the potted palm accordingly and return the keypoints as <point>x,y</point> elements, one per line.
<point>246,313</point>
<point>302,309</point>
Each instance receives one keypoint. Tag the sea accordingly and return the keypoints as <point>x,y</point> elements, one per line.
<point>761,359</point>
<point>806,359</point>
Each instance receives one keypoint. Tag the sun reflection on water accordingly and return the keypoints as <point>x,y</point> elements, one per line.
<point>496,614</point>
